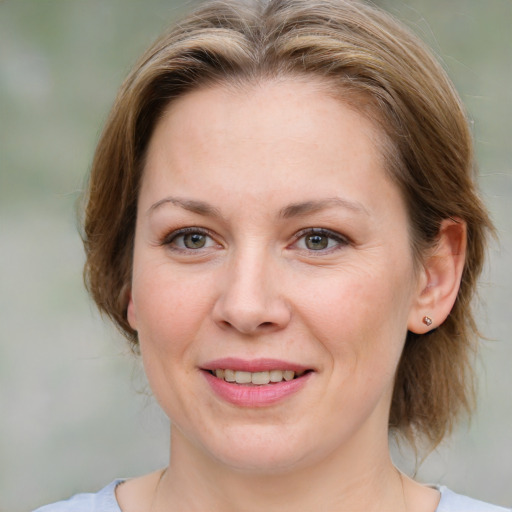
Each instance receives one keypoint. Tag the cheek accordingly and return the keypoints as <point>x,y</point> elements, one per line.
<point>361,318</point>
<point>170,310</point>
<point>168,307</point>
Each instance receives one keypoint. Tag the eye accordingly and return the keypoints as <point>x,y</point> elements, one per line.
<point>194,240</point>
<point>189,239</point>
<point>319,239</point>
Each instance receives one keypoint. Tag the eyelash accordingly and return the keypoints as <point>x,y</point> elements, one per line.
<point>175,235</point>
<point>340,240</point>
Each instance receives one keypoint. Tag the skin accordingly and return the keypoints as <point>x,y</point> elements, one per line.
<point>257,290</point>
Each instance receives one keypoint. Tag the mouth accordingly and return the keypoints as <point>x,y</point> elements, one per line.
<point>257,382</point>
<point>260,378</point>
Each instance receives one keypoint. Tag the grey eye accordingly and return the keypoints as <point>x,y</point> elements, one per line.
<point>316,242</point>
<point>319,240</point>
<point>189,239</point>
<point>194,241</point>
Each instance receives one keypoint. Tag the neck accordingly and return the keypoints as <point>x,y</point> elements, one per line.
<point>356,480</point>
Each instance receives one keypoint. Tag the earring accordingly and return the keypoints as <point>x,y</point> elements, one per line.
<point>427,321</point>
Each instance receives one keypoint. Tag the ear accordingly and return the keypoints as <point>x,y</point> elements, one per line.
<point>130,312</point>
<point>440,279</point>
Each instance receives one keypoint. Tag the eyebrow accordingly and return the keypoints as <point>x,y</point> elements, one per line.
<point>293,210</point>
<point>307,207</point>
<point>192,205</point>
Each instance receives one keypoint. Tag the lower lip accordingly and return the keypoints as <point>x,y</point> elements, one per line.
<point>255,396</point>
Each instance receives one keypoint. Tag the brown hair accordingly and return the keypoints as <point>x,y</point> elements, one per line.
<point>379,68</point>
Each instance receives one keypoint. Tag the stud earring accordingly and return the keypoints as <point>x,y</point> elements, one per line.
<point>427,321</point>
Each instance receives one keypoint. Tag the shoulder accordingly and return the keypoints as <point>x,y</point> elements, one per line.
<point>452,502</point>
<point>102,501</point>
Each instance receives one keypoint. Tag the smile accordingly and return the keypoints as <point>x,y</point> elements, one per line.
<point>255,383</point>
<point>256,378</point>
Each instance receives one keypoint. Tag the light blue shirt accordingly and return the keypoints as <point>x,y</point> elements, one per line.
<point>105,501</point>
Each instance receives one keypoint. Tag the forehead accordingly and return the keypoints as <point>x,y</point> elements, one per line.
<point>291,135</point>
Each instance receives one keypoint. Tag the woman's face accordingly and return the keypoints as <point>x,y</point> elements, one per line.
<point>269,240</point>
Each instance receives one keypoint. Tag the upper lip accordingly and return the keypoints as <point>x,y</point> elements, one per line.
<point>253,365</point>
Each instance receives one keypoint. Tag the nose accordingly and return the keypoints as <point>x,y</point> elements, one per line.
<point>251,298</point>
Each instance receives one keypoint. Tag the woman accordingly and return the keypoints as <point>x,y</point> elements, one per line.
<point>282,218</point>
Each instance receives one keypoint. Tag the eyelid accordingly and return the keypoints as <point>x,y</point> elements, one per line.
<point>338,237</point>
<point>173,235</point>
<point>341,240</point>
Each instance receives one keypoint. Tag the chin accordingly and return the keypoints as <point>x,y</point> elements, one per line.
<point>265,450</point>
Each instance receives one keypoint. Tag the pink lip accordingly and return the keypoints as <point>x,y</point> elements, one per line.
<point>254,396</point>
<point>254,365</point>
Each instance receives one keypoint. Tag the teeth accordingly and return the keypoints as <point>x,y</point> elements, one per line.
<point>256,378</point>
<point>243,377</point>
<point>288,375</point>
<point>260,378</point>
<point>276,376</point>
<point>229,376</point>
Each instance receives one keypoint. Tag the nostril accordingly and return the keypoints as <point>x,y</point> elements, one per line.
<point>264,325</point>
<point>250,317</point>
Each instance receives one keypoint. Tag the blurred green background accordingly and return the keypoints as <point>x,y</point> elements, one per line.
<point>74,408</point>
